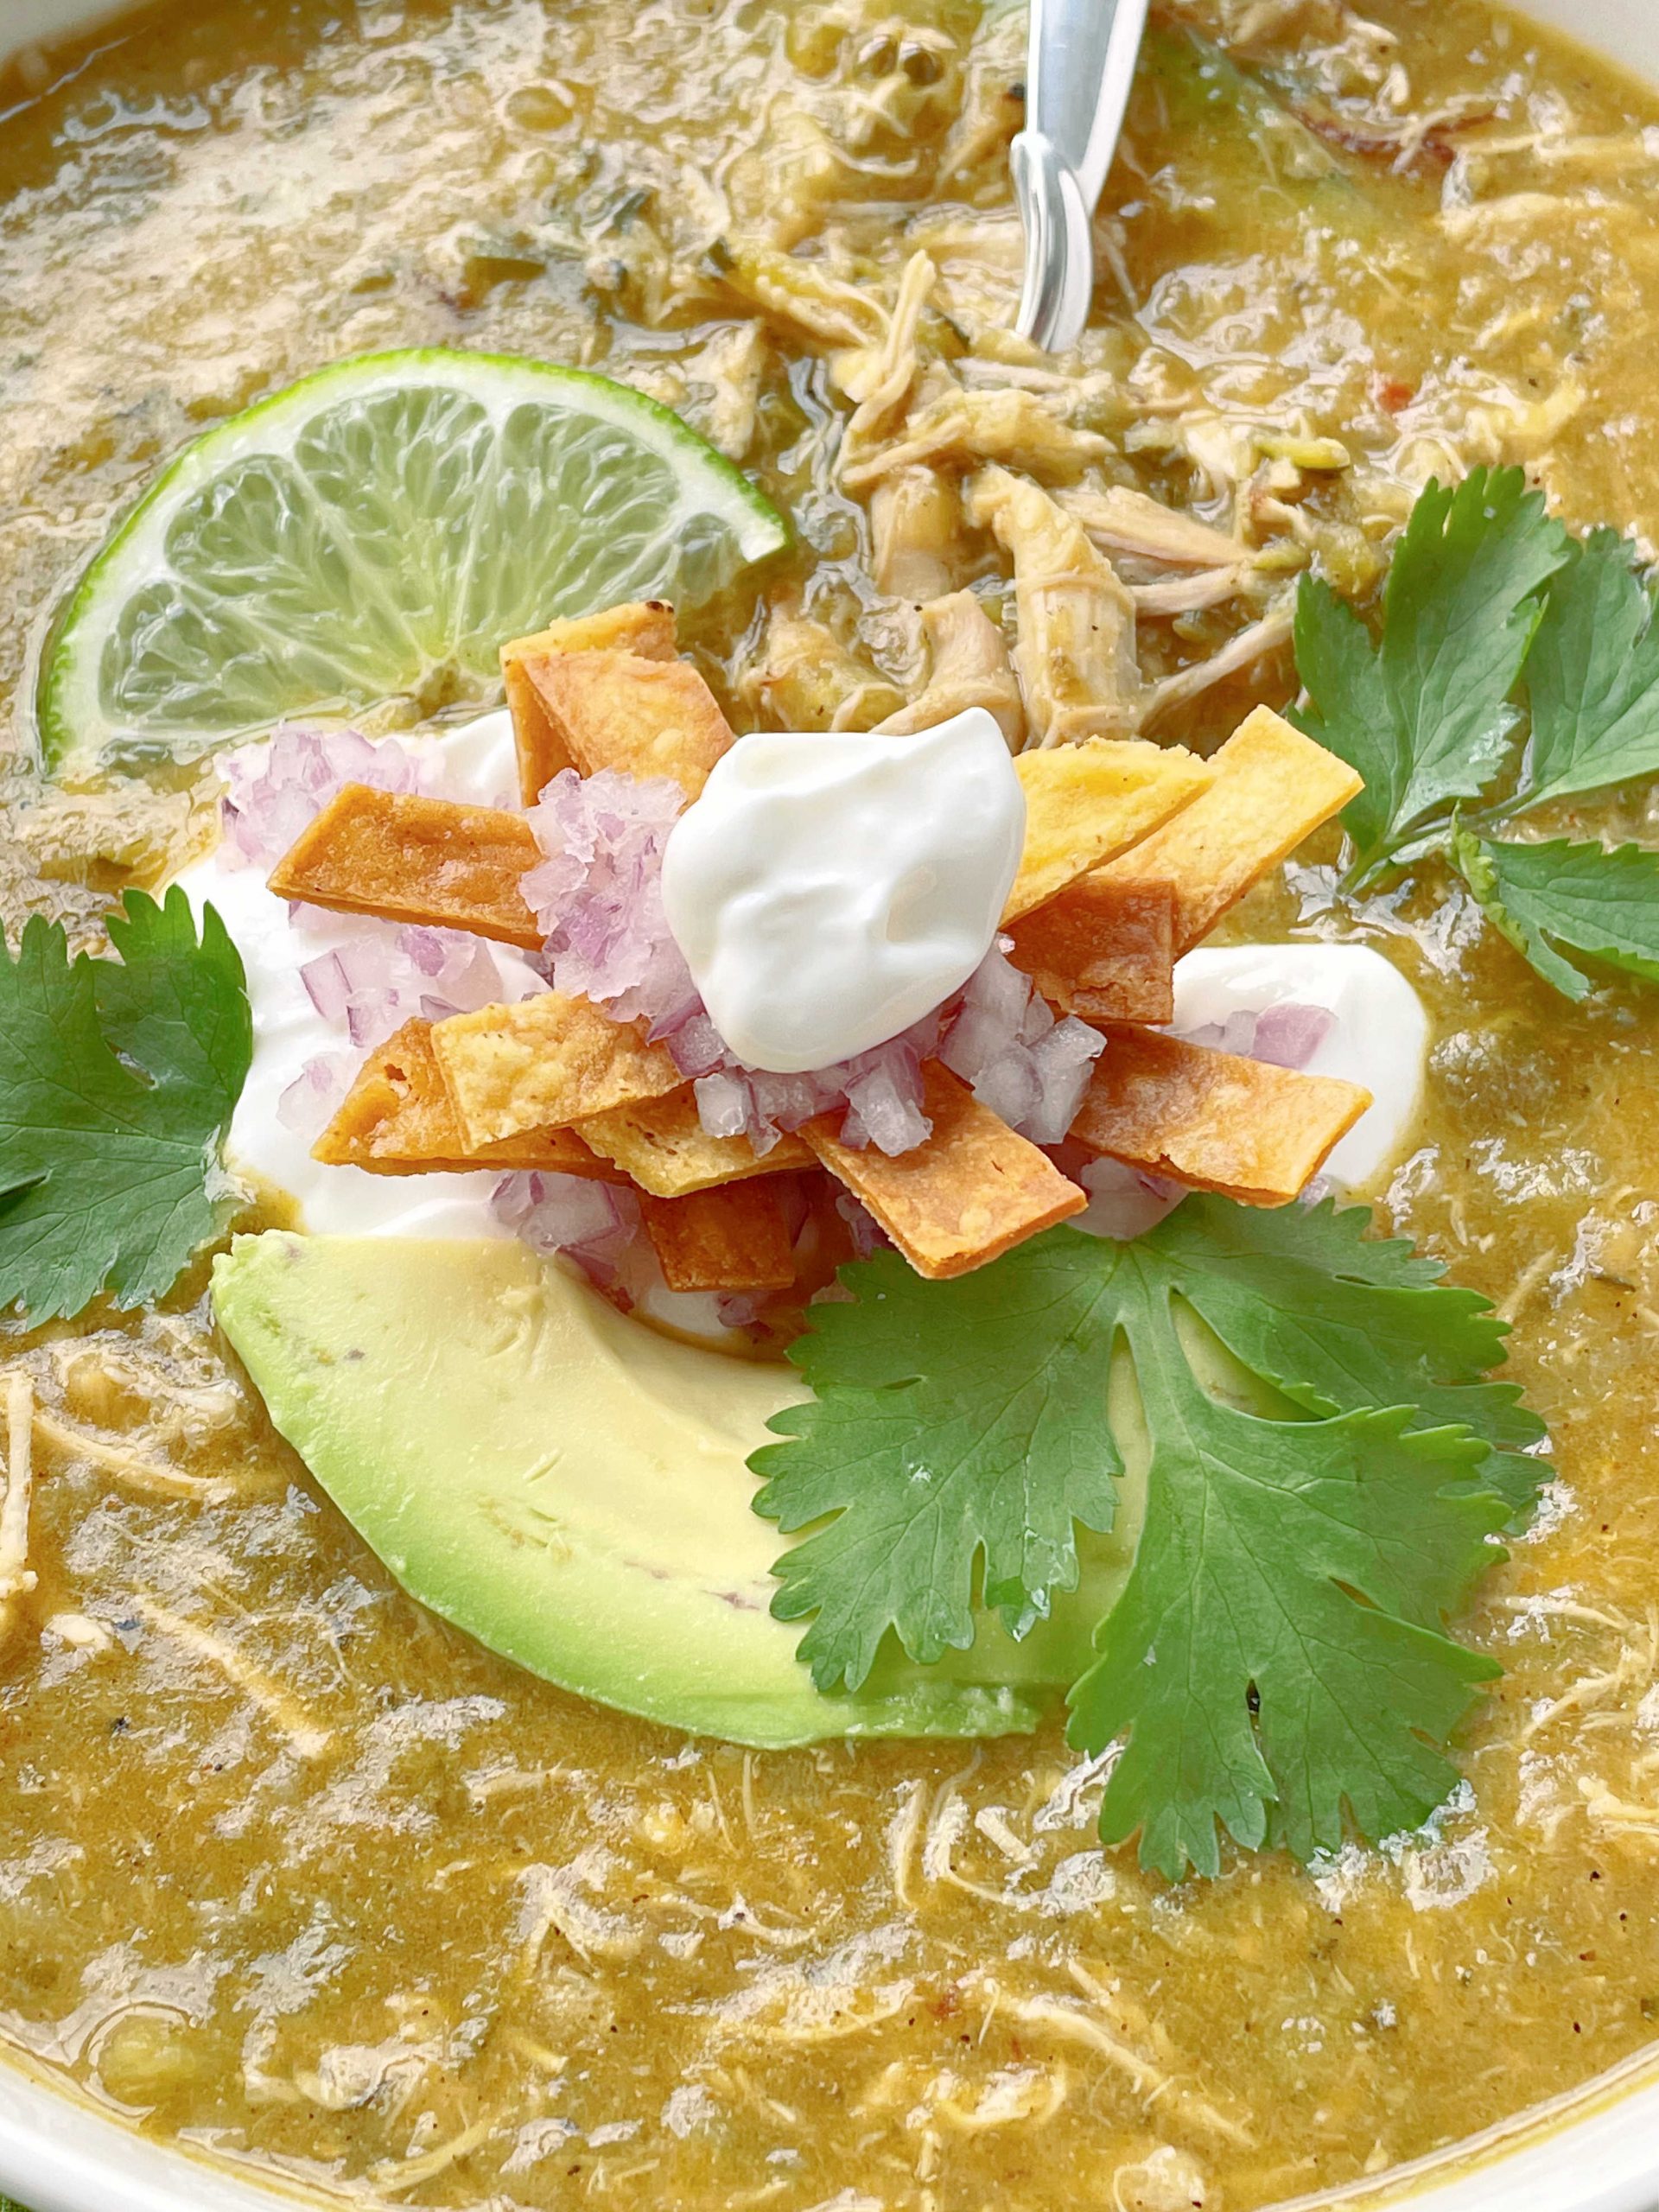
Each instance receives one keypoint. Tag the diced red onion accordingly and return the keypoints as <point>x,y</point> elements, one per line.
<point>592,1223</point>
<point>1010,1086</point>
<point>1007,1046</point>
<point>598,893</point>
<point>327,986</point>
<point>1287,1035</point>
<point>1123,1204</point>
<point>722,1104</point>
<point>884,1110</point>
<point>311,1101</point>
<point>597,1228</point>
<point>381,975</point>
<point>697,1046</point>
<point>278,787</point>
<point>1064,1058</point>
<point>866,1232</point>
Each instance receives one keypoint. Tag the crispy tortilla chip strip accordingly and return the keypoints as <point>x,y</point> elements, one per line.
<point>620,710</point>
<point>971,1191</point>
<point>1273,787</point>
<point>644,626</point>
<point>1104,951</point>
<point>664,1149</point>
<point>398,1120</point>
<point>408,859</point>
<point>1087,803</point>
<point>543,1064</point>
<point>1256,1133</point>
<point>735,1239</point>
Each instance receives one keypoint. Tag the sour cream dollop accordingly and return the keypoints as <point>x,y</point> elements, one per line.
<point>476,764</point>
<point>829,889</point>
<point>1378,1036</point>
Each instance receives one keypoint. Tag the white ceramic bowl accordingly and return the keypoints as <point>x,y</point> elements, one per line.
<point>1596,2151</point>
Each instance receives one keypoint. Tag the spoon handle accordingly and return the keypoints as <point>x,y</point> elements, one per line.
<point>1081,63</point>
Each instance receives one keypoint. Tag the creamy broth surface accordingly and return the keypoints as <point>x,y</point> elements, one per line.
<point>292,1872</point>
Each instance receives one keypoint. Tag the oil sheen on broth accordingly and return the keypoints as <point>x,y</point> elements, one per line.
<point>289,1868</point>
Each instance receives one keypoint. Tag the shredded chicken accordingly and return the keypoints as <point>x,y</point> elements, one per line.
<point>1076,656</point>
<point>730,369</point>
<point>1010,426</point>
<point>993,104</point>
<point>16,1578</point>
<point>1190,593</point>
<point>804,294</point>
<point>969,667</point>
<point>307,1738</point>
<point>916,522</point>
<point>782,188</point>
<point>807,679</point>
<point>1121,522</point>
<point>1242,651</point>
<point>880,378</point>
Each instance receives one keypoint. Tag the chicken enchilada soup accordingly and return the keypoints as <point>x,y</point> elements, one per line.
<point>827,1211</point>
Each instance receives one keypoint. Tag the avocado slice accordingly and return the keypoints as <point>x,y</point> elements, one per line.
<point>569,1488</point>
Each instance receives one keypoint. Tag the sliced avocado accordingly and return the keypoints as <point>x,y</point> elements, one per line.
<point>570,1488</point>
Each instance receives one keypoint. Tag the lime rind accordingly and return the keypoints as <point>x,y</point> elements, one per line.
<point>391,516</point>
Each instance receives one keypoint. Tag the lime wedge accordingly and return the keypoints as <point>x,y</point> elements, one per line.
<point>376,532</point>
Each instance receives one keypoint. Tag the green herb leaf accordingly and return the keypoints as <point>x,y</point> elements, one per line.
<point>1324,1466</point>
<point>1302,1565</point>
<point>1337,1321</point>
<point>954,1422</point>
<point>1430,720</point>
<point>117,1083</point>
<point>1592,678</point>
<point>1562,897</point>
<point>1351,715</point>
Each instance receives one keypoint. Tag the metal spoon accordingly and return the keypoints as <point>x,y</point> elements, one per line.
<point>1082,62</point>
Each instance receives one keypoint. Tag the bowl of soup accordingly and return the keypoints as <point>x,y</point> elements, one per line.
<point>382,1828</point>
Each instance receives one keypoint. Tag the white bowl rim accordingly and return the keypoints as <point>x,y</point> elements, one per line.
<point>1593,2149</point>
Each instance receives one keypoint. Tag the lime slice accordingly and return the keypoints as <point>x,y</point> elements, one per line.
<point>376,532</point>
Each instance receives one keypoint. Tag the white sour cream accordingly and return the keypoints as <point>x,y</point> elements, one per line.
<point>1379,1036</point>
<point>829,889</point>
<point>475,764</point>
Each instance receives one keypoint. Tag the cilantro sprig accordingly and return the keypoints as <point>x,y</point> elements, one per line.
<point>1516,667</point>
<point>118,1080</point>
<point>1326,1467</point>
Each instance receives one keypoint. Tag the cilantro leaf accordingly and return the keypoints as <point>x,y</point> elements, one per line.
<point>1592,678</point>
<point>1559,898</point>
<point>1350,714</point>
<point>1338,1321</point>
<point>1301,1565</point>
<point>117,1081</point>
<point>964,1423</point>
<point>1324,1462</point>
<point>1429,718</point>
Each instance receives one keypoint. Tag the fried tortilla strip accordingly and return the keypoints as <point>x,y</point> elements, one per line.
<point>1087,803</point>
<point>1253,1132</point>
<point>620,710</point>
<point>735,1239</point>
<point>1273,787</point>
<point>971,1191</point>
<point>644,626</point>
<point>1104,951</point>
<point>408,859</point>
<point>398,1120</point>
<point>543,1064</point>
<point>664,1148</point>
